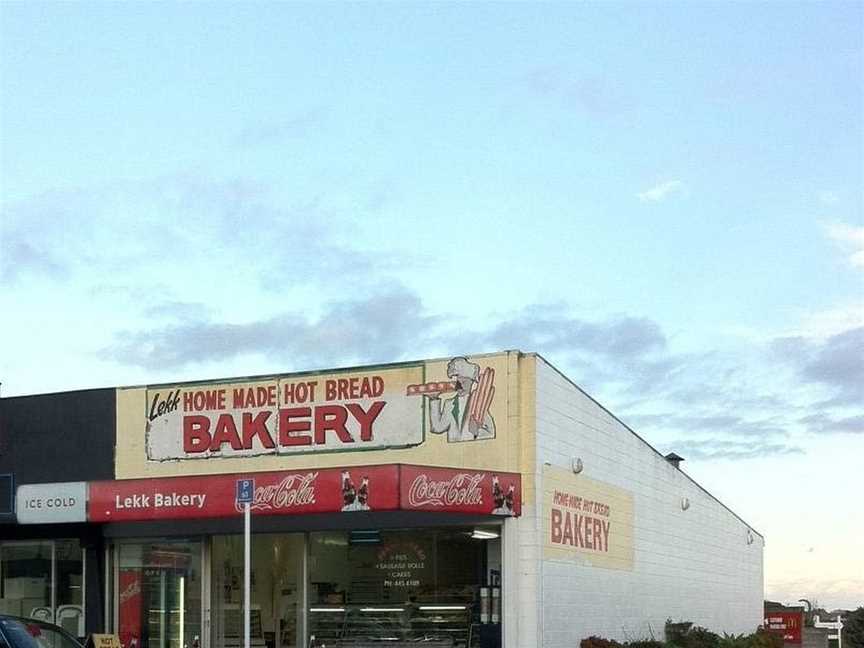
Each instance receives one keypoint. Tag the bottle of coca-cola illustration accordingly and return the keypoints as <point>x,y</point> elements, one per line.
<point>363,493</point>
<point>349,493</point>
<point>497,493</point>
<point>509,497</point>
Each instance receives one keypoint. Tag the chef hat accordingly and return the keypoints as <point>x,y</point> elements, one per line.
<point>461,367</point>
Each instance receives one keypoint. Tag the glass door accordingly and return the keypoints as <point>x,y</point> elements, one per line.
<point>277,580</point>
<point>159,594</point>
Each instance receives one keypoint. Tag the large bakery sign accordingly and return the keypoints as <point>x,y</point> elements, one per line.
<point>586,521</point>
<point>343,411</point>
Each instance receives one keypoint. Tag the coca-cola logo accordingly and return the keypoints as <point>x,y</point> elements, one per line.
<point>132,589</point>
<point>292,491</point>
<point>462,489</point>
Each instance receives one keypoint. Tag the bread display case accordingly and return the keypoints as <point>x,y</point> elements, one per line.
<point>434,625</point>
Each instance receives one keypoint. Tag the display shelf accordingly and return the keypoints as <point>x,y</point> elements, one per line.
<point>435,625</point>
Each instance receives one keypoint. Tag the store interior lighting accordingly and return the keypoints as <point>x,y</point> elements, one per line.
<point>483,534</point>
<point>437,608</point>
<point>372,536</point>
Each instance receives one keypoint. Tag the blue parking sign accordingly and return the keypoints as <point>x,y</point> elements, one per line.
<point>245,491</point>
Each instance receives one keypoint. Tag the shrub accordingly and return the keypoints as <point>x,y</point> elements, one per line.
<point>645,643</point>
<point>700,637</point>
<point>764,639</point>
<point>675,631</point>
<point>599,642</point>
<point>853,629</point>
<point>735,641</point>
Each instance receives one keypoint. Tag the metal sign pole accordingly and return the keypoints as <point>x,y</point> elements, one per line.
<point>247,567</point>
<point>246,495</point>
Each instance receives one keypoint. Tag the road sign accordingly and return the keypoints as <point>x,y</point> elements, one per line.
<point>245,496</point>
<point>833,640</point>
<point>245,491</point>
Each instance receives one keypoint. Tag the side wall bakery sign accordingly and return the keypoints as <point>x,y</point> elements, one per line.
<point>288,415</point>
<point>587,521</point>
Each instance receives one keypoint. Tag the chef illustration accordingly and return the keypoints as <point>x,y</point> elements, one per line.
<point>463,414</point>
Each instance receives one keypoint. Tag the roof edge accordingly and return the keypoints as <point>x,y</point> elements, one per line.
<point>659,454</point>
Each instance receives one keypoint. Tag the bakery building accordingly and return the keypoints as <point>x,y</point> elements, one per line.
<point>467,501</point>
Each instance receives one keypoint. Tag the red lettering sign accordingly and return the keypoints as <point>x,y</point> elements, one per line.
<point>356,488</point>
<point>130,607</point>
<point>276,493</point>
<point>463,491</point>
<point>786,624</point>
<point>578,530</point>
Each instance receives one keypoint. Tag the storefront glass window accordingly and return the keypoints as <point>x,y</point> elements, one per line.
<point>434,586</point>
<point>70,587</point>
<point>277,574</point>
<point>159,594</point>
<point>25,580</point>
<point>28,573</point>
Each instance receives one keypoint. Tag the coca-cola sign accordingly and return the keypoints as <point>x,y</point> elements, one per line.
<point>327,490</point>
<point>132,589</point>
<point>293,491</point>
<point>460,491</point>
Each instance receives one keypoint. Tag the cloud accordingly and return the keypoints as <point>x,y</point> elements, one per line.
<point>836,362</point>
<point>719,448</point>
<point>31,235</point>
<point>20,255</point>
<point>663,191</point>
<point>850,239</point>
<point>277,131</point>
<point>217,227</point>
<point>822,423</point>
<point>596,352</point>
<point>552,328</point>
<point>380,328</point>
<point>623,360</point>
<point>833,592</point>
<point>176,310</point>
<point>839,362</point>
<point>710,423</point>
<point>393,323</point>
<point>122,225</point>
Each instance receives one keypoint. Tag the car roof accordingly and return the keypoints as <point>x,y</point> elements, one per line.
<point>40,622</point>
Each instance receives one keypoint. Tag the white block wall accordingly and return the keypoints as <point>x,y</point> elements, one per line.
<point>692,565</point>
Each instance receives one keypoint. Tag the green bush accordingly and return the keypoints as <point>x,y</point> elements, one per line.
<point>645,643</point>
<point>764,639</point>
<point>599,642</point>
<point>683,635</point>
<point>735,641</point>
<point>853,629</point>
<point>675,632</point>
<point>699,637</point>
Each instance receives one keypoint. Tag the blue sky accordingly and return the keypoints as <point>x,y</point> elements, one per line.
<point>665,200</point>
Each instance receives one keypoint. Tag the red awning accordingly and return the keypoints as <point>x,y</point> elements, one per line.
<point>327,490</point>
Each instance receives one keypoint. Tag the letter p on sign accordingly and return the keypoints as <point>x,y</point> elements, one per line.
<point>245,491</point>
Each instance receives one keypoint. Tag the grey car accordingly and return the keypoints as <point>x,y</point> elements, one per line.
<point>16,632</point>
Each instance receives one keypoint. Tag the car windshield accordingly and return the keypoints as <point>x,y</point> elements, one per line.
<point>35,634</point>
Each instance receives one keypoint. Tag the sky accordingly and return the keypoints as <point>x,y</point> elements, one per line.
<point>664,200</point>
